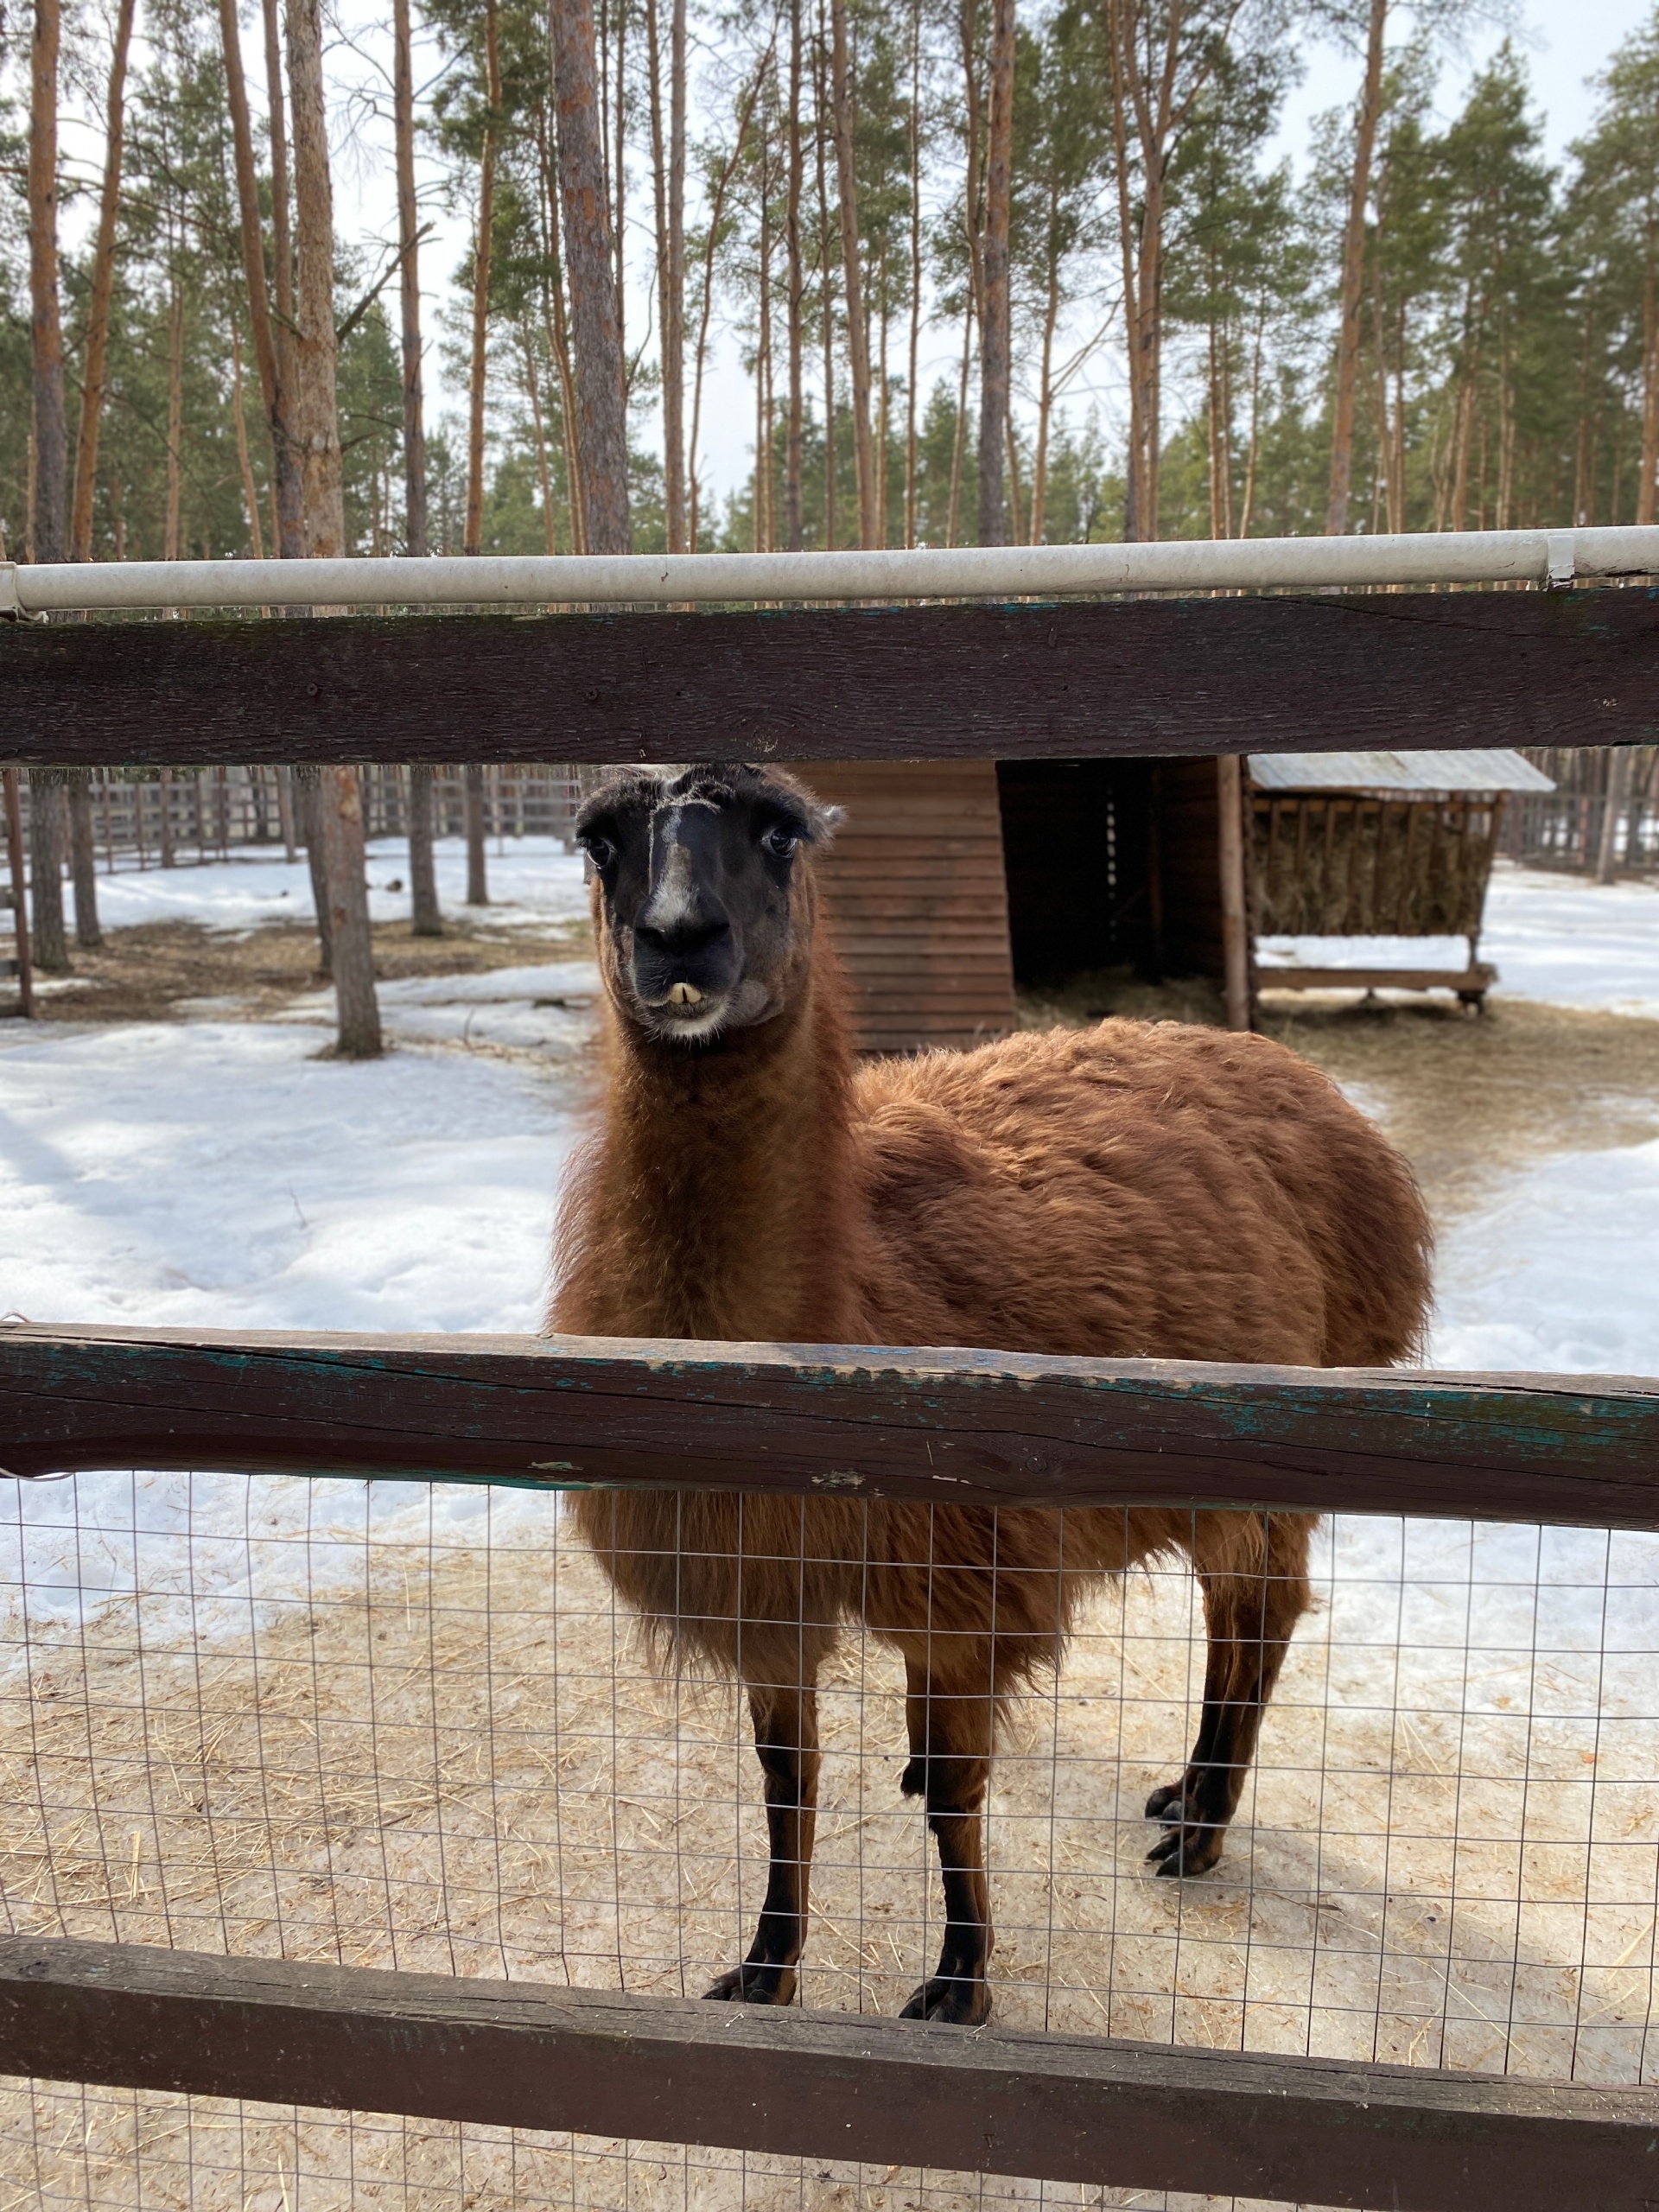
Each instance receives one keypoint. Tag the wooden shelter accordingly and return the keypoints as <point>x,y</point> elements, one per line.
<point>1377,844</point>
<point>917,893</point>
<point>953,880</point>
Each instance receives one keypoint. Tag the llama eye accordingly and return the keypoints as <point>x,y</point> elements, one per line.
<point>601,851</point>
<point>780,843</point>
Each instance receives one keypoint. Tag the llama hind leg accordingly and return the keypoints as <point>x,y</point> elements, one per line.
<point>1251,1607</point>
<point>950,1732</point>
<point>787,1742</point>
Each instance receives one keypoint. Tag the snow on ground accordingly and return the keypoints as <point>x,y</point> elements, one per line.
<point>532,882</point>
<point>1553,937</point>
<point>1557,1271</point>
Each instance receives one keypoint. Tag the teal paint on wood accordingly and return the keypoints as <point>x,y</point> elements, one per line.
<point>865,1420</point>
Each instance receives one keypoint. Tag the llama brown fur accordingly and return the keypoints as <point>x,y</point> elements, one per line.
<point>1121,1192</point>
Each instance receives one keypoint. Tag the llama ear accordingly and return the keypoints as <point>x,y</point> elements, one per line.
<point>826,820</point>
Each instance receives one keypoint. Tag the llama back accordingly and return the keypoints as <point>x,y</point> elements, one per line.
<point>1137,1190</point>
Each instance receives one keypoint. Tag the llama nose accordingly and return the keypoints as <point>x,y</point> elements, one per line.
<point>684,938</point>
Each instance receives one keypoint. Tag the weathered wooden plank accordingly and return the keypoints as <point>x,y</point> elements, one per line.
<point>1290,673</point>
<point>872,1422</point>
<point>822,2085</point>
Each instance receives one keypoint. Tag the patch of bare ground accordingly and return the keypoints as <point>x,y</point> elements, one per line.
<point>1468,1098</point>
<point>174,971</point>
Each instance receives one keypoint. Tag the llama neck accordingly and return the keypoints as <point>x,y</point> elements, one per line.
<point>720,1201</point>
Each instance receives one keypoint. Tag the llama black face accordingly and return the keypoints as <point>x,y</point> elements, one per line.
<point>705,905</point>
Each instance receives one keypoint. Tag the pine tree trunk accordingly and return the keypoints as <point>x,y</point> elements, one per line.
<point>858,344</point>
<point>271,357</point>
<point>1045,384</point>
<point>915,270</point>
<point>668,181</point>
<point>244,460</point>
<point>722,185</point>
<point>1135,467</point>
<point>97,312</point>
<point>959,441</point>
<point>558,336</point>
<point>426,918</point>
<point>341,806</point>
<point>1649,469</point>
<point>478,886</point>
<point>473,541</point>
<point>340,812</point>
<point>409,294</point>
<point>14,825</point>
<point>83,856</point>
<point>994,339</point>
<point>794,520</point>
<point>175,423</point>
<point>827,316</point>
<point>590,264</point>
<point>49,533</point>
<point>307,783</point>
<point>763,361</point>
<point>165,826</point>
<point>316,409</point>
<point>1353,272</point>
<point>285,812</point>
<point>47,840</point>
<point>1612,812</point>
<point>289,484</point>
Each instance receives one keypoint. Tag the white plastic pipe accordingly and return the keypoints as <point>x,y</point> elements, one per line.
<point>1536,556</point>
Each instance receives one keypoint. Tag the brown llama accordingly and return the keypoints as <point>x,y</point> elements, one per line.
<point>1125,1190</point>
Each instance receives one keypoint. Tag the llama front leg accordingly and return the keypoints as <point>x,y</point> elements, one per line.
<point>786,1742</point>
<point>950,1765</point>
<point>1254,1595</point>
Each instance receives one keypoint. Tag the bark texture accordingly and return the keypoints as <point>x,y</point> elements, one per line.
<point>426,917</point>
<point>995,337</point>
<point>45,849</point>
<point>316,411</point>
<point>590,264</point>
<point>51,452</point>
<point>341,806</point>
<point>858,341</point>
<point>477,882</point>
<point>410,288</point>
<point>276,386</point>
<point>83,856</point>
<point>98,310</point>
<point>473,537</point>
<point>1353,273</point>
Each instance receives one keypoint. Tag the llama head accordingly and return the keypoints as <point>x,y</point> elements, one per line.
<point>703,899</point>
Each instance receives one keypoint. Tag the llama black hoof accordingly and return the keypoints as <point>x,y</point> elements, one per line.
<point>753,1983</point>
<point>954,1998</point>
<point>1188,1848</point>
<point>1159,1803</point>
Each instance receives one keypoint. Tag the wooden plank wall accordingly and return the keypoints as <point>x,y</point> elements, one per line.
<point>1188,858</point>
<point>916,893</point>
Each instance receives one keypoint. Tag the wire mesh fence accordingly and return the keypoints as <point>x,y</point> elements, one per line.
<point>407,1726</point>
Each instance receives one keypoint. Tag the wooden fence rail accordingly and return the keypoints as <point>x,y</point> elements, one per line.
<point>1024,681</point>
<point>995,1428</point>
<point>1051,2107</point>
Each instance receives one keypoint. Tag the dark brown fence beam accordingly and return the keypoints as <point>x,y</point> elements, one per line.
<point>821,2086</point>
<point>875,1423</point>
<point>1198,675</point>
